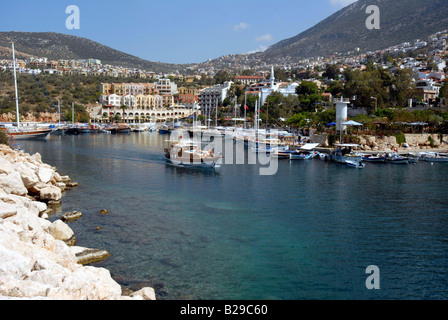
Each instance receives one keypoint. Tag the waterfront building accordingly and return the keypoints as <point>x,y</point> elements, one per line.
<point>113,100</point>
<point>129,100</point>
<point>210,97</point>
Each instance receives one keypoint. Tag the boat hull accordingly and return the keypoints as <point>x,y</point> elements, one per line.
<point>355,164</point>
<point>26,135</point>
<point>374,159</point>
<point>398,161</point>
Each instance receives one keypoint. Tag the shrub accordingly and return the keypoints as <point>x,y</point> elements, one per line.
<point>401,138</point>
<point>431,141</point>
<point>3,138</point>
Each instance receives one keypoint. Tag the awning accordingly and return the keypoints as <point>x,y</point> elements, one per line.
<point>310,146</point>
<point>351,123</point>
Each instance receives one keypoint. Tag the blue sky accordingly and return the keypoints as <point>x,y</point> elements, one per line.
<point>173,31</point>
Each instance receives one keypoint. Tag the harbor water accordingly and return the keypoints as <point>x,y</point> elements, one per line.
<point>308,232</point>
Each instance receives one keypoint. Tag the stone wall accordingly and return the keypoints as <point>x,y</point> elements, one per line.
<point>374,143</point>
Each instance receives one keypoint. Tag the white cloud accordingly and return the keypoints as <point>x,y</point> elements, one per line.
<point>241,26</point>
<point>264,38</point>
<point>261,48</point>
<point>342,3</point>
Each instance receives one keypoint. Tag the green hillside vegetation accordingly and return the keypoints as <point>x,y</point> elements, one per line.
<point>81,90</point>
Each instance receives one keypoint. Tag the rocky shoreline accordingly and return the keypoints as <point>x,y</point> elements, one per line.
<point>38,258</point>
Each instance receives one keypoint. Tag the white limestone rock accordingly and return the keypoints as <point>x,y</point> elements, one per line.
<point>61,231</point>
<point>7,210</point>
<point>146,294</point>
<point>12,183</point>
<point>45,174</point>
<point>50,193</point>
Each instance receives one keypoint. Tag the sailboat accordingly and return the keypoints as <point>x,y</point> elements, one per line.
<point>18,132</point>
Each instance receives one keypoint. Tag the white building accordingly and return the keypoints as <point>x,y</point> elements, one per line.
<point>111,100</point>
<point>210,97</point>
<point>129,100</point>
<point>273,86</point>
<point>165,86</point>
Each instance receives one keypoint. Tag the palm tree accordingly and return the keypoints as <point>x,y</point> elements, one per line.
<point>123,108</point>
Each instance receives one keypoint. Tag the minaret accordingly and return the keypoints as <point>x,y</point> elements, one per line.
<point>272,79</point>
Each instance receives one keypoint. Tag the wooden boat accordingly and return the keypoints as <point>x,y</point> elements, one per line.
<point>20,132</point>
<point>269,145</point>
<point>343,152</point>
<point>24,133</point>
<point>119,129</point>
<point>188,154</point>
<point>434,157</point>
<point>303,155</point>
<point>373,158</point>
<point>355,164</point>
<point>73,131</point>
<point>164,129</point>
<point>281,154</point>
<point>396,159</point>
<point>306,152</point>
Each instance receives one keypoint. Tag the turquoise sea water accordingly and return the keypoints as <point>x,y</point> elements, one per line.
<point>308,232</point>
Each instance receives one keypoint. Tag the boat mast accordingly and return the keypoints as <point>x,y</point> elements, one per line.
<point>15,84</point>
<point>245,105</point>
<point>235,111</point>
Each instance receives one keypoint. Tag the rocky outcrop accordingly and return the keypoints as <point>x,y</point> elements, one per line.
<point>38,259</point>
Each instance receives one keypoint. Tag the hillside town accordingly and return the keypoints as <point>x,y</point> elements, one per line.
<point>199,89</point>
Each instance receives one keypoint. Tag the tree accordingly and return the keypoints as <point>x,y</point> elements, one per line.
<point>365,86</point>
<point>402,87</point>
<point>222,76</point>
<point>300,120</point>
<point>309,96</point>
<point>332,71</point>
<point>443,93</point>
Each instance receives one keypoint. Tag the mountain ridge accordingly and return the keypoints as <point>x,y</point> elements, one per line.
<point>343,31</point>
<point>400,21</point>
<point>57,46</point>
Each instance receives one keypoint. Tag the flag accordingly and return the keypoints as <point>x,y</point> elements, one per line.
<point>246,107</point>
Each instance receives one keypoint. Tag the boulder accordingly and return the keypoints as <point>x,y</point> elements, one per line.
<point>86,283</point>
<point>50,193</point>
<point>71,216</point>
<point>61,231</point>
<point>86,256</point>
<point>28,175</point>
<point>7,210</point>
<point>5,166</point>
<point>12,183</point>
<point>45,174</point>
<point>145,293</point>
